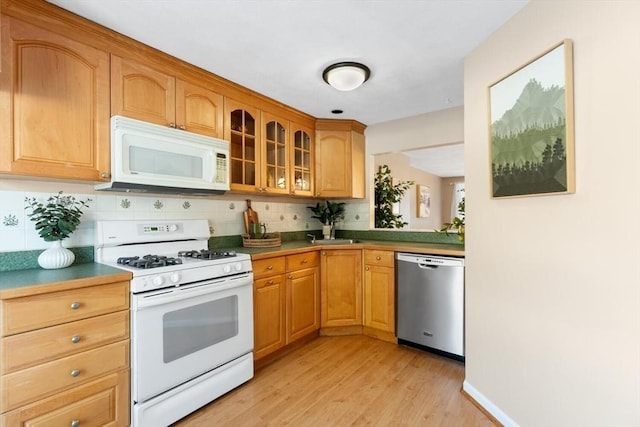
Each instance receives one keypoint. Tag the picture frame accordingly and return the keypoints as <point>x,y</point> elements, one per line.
<point>423,199</point>
<point>531,127</point>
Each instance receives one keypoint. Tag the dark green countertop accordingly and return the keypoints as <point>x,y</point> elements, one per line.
<point>37,280</point>
<point>288,248</point>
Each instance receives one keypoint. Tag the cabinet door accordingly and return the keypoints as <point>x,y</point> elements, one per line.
<point>142,93</point>
<point>303,303</point>
<point>275,145</point>
<point>242,130</point>
<point>302,161</point>
<point>379,298</point>
<point>54,105</point>
<point>269,305</point>
<point>341,287</point>
<point>333,160</point>
<point>199,110</point>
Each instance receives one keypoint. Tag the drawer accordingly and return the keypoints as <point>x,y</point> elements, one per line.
<point>375,257</point>
<point>104,402</point>
<point>39,311</point>
<point>31,348</point>
<point>31,384</point>
<point>305,260</point>
<point>268,267</point>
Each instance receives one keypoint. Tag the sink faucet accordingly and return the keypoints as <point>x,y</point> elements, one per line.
<point>313,237</point>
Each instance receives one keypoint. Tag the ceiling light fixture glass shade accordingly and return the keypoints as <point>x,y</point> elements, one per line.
<point>346,75</point>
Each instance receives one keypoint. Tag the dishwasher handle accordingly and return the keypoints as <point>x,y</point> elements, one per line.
<point>429,261</point>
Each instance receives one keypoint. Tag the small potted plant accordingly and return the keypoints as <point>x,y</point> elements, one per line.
<point>457,224</point>
<point>328,214</point>
<point>56,220</point>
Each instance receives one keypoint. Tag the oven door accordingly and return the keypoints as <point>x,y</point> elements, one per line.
<point>180,333</point>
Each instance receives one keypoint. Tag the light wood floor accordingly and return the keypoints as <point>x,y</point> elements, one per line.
<point>348,381</point>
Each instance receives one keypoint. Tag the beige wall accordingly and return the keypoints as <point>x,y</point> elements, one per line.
<point>553,282</point>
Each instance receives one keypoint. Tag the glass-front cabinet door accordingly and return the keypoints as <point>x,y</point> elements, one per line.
<point>243,134</point>
<point>302,161</point>
<point>276,154</point>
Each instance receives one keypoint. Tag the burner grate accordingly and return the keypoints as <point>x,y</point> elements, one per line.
<point>149,261</point>
<point>207,254</point>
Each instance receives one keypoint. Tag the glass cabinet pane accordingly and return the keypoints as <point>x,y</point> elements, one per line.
<point>242,148</point>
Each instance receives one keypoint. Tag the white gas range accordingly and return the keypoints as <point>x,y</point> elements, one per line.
<point>191,315</point>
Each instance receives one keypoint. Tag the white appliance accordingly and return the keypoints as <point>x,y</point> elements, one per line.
<point>191,315</point>
<point>159,159</point>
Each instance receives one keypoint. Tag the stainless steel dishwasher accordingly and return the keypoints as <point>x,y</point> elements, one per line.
<point>430,303</point>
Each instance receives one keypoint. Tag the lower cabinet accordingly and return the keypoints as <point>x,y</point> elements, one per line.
<point>65,357</point>
<point>379,294</point>
<point>341,288</point>
<point>286,301</point>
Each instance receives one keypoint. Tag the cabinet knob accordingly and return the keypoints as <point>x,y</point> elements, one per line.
<point>182,127</point>
<point>75,423</point>
<point>75,339</point>
<point>270,267</point>
<point>270,282</point>
<point>75,372</point>
<point>378,258</point>
<point>304,261</point>
<point>367,268</point>
<point>105,175</point>
<point>172,125</point>
<point>75,305</point>
<point>323,253</point>
<point>290,277</point>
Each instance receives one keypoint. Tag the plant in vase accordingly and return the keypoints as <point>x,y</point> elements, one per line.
<point>56,220</point>
<point>328,214</point>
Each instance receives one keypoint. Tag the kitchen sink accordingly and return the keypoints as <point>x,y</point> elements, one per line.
<point>335,242</point>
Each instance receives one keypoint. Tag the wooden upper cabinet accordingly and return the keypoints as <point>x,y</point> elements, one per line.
<point>302,160</point>
<point>54,105</point>
<point>143,93</point>
<point>275,176</point>
<point>242,130</point>
<point>340,159</point>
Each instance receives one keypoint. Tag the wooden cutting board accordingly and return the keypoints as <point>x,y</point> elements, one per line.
<point>250,217</point>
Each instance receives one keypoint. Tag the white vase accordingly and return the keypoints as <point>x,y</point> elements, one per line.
<point>56,256</point>
<point>326,231</point>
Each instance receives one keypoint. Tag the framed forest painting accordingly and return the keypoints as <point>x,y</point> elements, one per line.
<point>531,127</point>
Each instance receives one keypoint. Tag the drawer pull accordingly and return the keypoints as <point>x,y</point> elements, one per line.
<point>75,305</point>
<point>378,258</point>
<point>367,268</point>
<point>304,261</point>
<point>75,372</point>
<point>75,423</point>
<point>75,339</point>
<point>270,267</point>
<point>290,277</point>
<point>270,282</point>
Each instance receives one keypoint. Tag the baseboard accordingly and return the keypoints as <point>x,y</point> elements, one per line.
<point>488,406</point>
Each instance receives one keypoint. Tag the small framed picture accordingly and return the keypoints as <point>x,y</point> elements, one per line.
<point>424,201</point>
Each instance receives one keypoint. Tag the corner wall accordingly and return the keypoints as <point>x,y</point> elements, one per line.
<point>553,282</point>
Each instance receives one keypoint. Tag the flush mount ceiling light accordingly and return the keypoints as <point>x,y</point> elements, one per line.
<point>346,75</point>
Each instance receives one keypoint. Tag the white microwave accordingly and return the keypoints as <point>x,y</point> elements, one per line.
<point>146,157</point>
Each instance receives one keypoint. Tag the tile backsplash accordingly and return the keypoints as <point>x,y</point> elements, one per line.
<point>17,231</point>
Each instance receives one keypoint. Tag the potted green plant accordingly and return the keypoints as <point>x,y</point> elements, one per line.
<point>457,224</point>
<point>328,214</point>
<point>386,194</point>
<point>56,220</point>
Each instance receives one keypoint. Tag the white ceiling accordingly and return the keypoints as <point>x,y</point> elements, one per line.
<point>279,48</point>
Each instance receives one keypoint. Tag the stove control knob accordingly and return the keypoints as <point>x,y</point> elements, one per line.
<point>238,266</point>
<point>175,277</point>
<point>226,268</point>
<point>158,280</point>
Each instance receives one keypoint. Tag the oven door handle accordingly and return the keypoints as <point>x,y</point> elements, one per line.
<point>171,295</point>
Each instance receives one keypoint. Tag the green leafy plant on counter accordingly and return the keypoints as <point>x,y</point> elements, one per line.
<point>457,224</point>
<point>58,218</point>
<point>329,213</point>
<point>386,195</point>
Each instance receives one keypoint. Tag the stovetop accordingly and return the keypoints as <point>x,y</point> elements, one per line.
<point>156,261</point>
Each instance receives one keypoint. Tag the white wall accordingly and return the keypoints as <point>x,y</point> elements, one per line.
<point>553,282</point>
